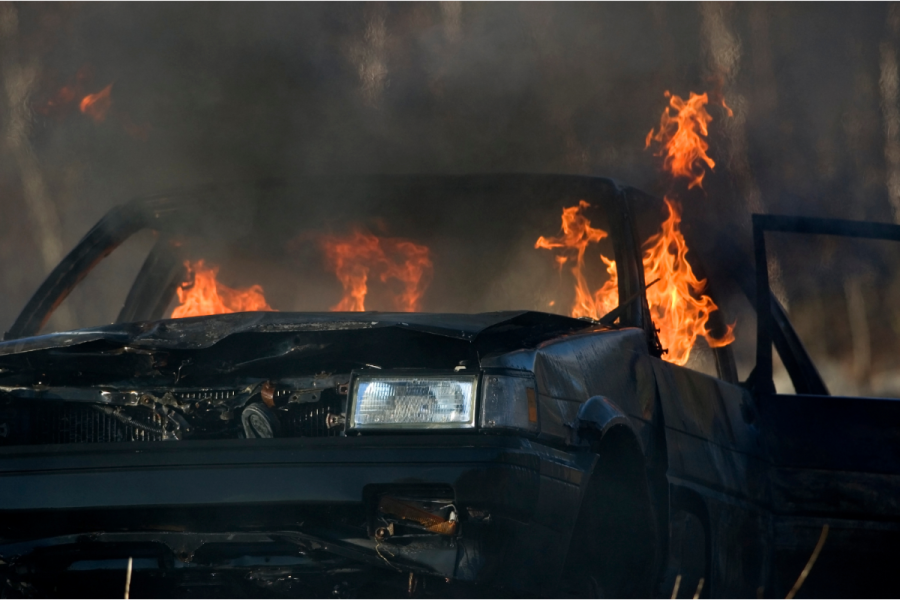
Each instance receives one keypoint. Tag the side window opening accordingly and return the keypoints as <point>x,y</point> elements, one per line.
<point>837,282</point>
<point>837,292</point>
<point>780,376</point>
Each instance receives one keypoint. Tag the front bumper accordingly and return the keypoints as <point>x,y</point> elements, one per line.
<point>526,495</point>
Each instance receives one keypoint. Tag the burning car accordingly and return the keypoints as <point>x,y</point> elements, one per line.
<point>207,444</point>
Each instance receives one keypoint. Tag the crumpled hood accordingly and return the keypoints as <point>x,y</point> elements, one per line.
<point>202,332</point>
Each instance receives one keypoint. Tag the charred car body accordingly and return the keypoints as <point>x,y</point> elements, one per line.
<point>341,454</point>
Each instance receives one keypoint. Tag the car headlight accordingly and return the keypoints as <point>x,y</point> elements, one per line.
<point>395,401</point>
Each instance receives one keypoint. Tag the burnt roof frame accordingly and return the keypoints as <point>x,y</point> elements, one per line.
<point>116,226</point>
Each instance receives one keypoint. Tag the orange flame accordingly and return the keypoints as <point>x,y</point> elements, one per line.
<point>355,257</point>
<point>203,295</point>
<point>96,105</point>
<point>677,304</point>
<point>681,136</point>
<point>576,235</point>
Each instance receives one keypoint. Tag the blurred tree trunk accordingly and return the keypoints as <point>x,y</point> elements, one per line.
<point>860,337</point>
<point>889,84</point>
<point>860,129</point>
<point>18,76</point>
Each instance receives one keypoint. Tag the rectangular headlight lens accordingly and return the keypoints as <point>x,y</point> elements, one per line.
<point>398,401</point>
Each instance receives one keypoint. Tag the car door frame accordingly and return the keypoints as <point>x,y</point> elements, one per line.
<point>834,460</point>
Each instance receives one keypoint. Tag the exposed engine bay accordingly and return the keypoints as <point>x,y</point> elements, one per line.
<point>111,384</point>
<point>61,415</point>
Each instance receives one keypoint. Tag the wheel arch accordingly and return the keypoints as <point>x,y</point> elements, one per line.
<point>616,525</point>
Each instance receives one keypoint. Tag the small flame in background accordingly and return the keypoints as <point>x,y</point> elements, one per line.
<point>682,137</point>
<point>204,295</point>
<point>97,105</point>
<point>677,304</point>
<point>357,256</point>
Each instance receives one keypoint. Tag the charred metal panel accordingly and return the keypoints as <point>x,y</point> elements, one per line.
<point>695,403</point>
<point>532,559</point>
<point>828,432</point>
<point>559,372</point>
<point>739,547</point>
<point>832,454</point>
<point>707,426</point>
<point>617,366</point>
<point>716,467</point>
<point>713,451</point>
<point>265,470</point>
<point>197,334</point>
<point>573,368</point>
<point>842,494</point>
<point>516,493</point>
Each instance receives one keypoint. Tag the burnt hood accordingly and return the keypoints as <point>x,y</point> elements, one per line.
<point>197,333</point>
<point>204,351</point>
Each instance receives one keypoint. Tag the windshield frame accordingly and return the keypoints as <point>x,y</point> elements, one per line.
<point>184,212</point>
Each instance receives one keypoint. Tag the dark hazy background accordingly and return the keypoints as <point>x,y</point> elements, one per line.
<point>212,92</point>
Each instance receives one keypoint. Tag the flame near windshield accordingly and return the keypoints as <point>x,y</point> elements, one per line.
<point>677,304</point>
<point>572,243</point>
<point>356,260</point>
<point>203,294</point>
<point>675,297</point>
<point>355,257</point>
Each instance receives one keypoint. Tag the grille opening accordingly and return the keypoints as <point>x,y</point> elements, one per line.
<point>68,423</point>
<point>308,419</point>
<point>26,422</point>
